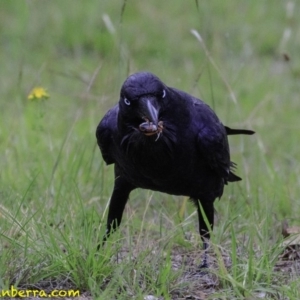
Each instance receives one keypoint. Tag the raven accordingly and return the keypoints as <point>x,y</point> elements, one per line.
<point>163,139</point>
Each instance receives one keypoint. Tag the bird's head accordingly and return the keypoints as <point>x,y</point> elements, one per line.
<point>141,101</point>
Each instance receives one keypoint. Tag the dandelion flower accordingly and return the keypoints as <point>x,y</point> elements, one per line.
<point>38,93</point>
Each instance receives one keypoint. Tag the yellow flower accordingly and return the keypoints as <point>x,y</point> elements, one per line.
<point>38,93</point>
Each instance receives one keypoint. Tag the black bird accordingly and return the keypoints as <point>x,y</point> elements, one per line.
<point>163,139</point>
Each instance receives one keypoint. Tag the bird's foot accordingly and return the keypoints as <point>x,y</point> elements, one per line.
<point>203,268</point>
<point>203,265</point>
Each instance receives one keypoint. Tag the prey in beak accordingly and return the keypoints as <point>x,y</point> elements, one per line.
<point>148,128</point>
<point>151,126</point>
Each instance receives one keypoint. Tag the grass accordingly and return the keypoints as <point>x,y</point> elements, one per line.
<point>241,58</point>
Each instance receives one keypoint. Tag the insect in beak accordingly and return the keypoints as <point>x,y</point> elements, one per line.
<point>148,128</point>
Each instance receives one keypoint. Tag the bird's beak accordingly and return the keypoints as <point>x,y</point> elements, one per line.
<point>149,113</point>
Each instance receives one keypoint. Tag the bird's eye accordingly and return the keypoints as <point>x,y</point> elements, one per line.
<point>126,101</point>
<point>164,94</point>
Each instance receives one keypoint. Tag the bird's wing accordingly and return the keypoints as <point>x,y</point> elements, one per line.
<point>104,134</point>
<point>214,149</point>
<point>212,140</point>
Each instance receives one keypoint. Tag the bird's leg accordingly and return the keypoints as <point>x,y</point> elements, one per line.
<point>204,264</point>
<point>117,204</point>
<point>205,210</point>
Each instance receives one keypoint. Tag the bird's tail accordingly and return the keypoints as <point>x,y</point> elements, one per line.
<point>231,131</point>
<point>232,177</point>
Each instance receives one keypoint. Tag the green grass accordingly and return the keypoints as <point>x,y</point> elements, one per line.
<point>55,188</point>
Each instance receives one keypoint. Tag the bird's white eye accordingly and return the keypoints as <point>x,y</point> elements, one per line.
<point>164,94</point>
<point>126,101</point>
